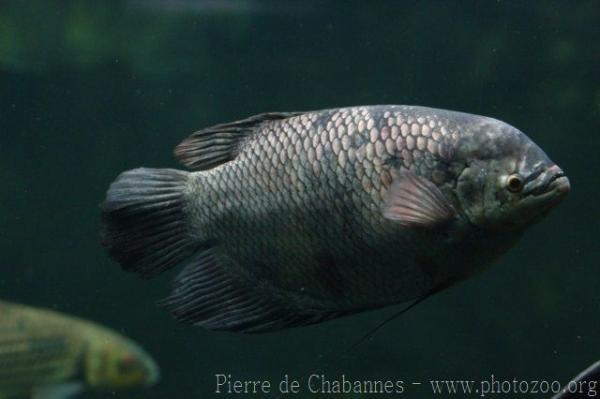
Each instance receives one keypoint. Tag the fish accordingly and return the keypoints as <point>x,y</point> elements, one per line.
<point>583,385</point>
<point>45,354</point>
<point>292,219</point>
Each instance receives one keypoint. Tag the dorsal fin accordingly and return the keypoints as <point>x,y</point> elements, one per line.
<point>218,144</point>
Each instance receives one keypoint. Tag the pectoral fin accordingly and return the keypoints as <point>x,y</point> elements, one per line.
<point>415,201</point>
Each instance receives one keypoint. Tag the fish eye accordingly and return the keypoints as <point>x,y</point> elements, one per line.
<point>514,183</point>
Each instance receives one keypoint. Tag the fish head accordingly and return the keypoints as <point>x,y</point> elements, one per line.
<point>506,182</point>
<point>114,362</point>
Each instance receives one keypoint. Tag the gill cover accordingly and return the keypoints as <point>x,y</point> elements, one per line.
<point>470,190</point>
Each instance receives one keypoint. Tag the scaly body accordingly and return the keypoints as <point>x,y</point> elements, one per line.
<point>298,218</point>
<point>298,211</point>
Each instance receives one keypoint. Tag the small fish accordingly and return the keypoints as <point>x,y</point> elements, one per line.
<point>48,355</point>
<point>290,219</point>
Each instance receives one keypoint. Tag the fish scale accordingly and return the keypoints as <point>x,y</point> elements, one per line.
<point>317,177</point>
<point>304,217</point>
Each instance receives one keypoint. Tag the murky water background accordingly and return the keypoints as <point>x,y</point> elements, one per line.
<point>89,89</point>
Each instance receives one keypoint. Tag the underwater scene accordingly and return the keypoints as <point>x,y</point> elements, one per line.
<point>309,199</point>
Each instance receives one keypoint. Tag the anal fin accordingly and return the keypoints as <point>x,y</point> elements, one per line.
<point>205,294</point>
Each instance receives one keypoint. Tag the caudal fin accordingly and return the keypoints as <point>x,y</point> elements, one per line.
<point>144,224</point>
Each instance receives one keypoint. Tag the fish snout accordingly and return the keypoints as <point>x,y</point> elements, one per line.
<point>153,375</point>
<point>558,182</point>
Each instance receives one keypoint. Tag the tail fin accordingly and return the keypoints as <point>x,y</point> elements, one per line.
<point>144,224</point>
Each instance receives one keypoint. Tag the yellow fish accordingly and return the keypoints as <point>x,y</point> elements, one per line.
<point>48,355</point>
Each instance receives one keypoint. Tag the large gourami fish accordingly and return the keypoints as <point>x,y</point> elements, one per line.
<point>49,355</point>
<point>291,219</point>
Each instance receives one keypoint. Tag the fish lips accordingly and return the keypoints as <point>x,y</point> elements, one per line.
<point>153,373</point>
<point>560,185</point>
<point>547,191</point>
<point>555,185</point>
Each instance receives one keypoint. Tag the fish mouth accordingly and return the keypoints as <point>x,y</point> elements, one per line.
<point>551,188</point>
<point>559,183</point>
<point>153,375</point>
<point>555,181</point>
<point>544,192</point>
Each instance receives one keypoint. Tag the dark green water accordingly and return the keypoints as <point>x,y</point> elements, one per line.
<point>88,90</point>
